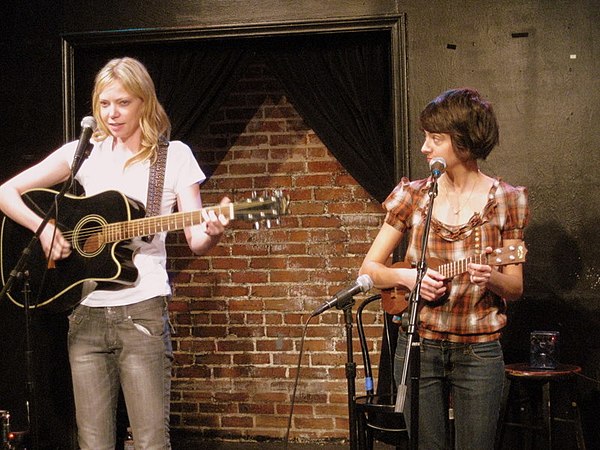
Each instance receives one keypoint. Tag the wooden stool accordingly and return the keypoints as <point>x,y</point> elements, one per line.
<point>523,376</point>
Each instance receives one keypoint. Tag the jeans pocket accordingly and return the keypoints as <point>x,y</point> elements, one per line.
<point>149,321</point>
<point>486,351</point>
<point>76,318</point>
<point>142,328</point>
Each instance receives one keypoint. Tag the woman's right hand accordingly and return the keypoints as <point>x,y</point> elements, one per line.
<point>432,286</point>
<point>53,242</point>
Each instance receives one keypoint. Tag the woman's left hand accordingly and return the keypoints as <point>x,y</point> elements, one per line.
<point>214,224</point>
<point>480,274</point>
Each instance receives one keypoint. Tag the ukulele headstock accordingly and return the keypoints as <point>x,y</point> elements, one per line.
<point>511,254</point>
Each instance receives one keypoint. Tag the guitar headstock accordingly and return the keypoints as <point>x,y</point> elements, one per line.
<point>511,254</point>
<point>265,208</point>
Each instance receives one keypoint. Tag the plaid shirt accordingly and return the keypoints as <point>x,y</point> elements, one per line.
<point>471,313</point>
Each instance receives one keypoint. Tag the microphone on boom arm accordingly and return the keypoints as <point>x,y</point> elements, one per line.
<point>362,284</point>
<point>88,126</point>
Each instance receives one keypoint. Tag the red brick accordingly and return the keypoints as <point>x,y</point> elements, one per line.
<point>240,311</point>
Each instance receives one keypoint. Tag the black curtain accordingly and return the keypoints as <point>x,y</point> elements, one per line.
<point>341,86</point>
<point>193,84</point>
<point>339,83</point>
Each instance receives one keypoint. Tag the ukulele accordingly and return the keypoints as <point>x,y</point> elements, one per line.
<point>395,300</point>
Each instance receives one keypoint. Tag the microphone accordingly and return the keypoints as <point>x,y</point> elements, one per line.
<point>437,167</point>
<point>88,126</point>
<point>362,284</point>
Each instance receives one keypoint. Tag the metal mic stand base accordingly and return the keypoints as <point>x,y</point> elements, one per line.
<point>412,368</point>
<point>32,405</point>
<point>351,378</point>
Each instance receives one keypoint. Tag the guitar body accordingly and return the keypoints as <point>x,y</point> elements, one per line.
<point>59,288</point>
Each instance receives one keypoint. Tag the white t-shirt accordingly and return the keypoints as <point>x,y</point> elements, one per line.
<point>103,170</point>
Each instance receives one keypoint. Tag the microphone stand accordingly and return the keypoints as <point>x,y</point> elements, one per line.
<point>350,373</point>
<point>19,271</point>
<point>412,359</point>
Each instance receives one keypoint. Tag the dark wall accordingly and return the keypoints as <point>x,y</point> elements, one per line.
<point>538,62</point>
<point>30,82</point>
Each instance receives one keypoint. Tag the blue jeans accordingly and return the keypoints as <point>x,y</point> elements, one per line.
<point>127,346</point>
<point>472,375</point>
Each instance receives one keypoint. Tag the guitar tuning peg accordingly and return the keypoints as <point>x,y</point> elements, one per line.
<point>268,223</point>
<point>256,225</point>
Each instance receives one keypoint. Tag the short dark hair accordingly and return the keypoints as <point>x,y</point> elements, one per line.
<point>467,117</point>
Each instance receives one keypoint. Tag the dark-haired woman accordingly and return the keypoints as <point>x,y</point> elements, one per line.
<point>459,323</point>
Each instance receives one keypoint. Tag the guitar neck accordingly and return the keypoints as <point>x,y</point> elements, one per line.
<point>454,268</point>
<point>119,231</point>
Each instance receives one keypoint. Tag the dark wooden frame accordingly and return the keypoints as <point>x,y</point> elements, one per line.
<point>395,24</point>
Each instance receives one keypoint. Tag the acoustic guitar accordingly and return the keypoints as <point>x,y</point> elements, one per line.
<point>100,229</point>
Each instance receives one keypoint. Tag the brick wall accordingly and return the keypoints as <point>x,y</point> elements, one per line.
<point>239,312</point>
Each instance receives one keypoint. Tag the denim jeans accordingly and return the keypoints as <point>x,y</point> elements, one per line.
<point>127,346</point>
<point>472,375</point>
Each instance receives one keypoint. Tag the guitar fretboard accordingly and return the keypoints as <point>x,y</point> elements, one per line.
<point>147,226</point>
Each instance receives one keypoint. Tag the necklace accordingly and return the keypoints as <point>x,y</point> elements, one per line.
<point>456,210</point>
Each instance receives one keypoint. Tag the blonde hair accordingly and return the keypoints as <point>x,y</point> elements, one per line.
<point>154,122</point>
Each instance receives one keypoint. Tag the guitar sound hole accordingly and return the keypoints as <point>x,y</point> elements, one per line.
<point>93,244</point>
<point>88,236</point>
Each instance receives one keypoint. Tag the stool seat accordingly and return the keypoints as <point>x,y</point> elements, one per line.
<point>377,413</point>
<point>525,370</point>
<point>540,380</point>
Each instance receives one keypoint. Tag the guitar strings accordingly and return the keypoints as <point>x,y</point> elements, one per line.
<point>134,226</point>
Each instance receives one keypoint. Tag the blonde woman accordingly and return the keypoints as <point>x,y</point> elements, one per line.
<point>120,337</point>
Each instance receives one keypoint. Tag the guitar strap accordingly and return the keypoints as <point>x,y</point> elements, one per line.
<point>156,181</point>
